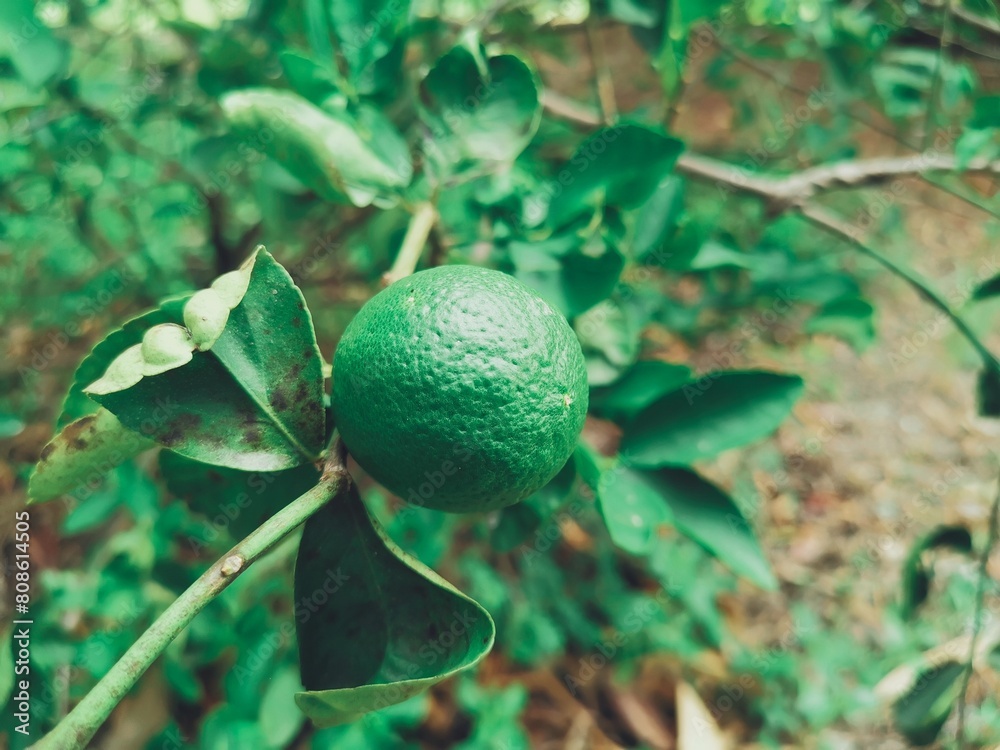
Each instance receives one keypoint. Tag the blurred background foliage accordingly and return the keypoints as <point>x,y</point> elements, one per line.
<point>148,147</point>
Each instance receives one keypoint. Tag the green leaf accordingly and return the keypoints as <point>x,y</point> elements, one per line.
<point>327,151</point>
<point>569,275</point>
<point>498,724</point>
<point>488,114</point>
<point>848,318</point>
<point>714,254</point>
<point>645,382</point>
<point>384,140</point>
<point>310,80</point>
<point>279,721</point>
<point>369,32</point>
<point>234,502</point>
<point>632,507</point>
<point>394,627</point>
<point>83,453</point>
<point>656,219</point>
<point>917,574</point>
<point>241,386</point>
<point>635,12</point>
<point>182,679</point>
<point>620,166</point>
<point>707,515</point>
<point>609,335</point>
<point>36,53</point>
<point>986,113</point>
<point>976,144</point>
<point>225,729</point>
<point>588,466</point>
<point>923,710</point>
<point>10,426</point>
<point>98,508</point>
<point>708,416</point>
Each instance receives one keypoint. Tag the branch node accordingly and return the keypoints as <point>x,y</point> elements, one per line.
<point>232,565</point>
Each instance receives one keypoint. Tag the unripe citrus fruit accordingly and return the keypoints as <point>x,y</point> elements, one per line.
<point>460,389</point>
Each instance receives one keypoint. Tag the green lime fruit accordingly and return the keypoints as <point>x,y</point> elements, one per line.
<point>460,389</point>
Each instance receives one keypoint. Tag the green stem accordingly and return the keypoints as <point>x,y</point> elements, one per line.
<point>421,223</point>
<point>77,728</point>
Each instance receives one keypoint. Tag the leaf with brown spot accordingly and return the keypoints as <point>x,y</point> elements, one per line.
<point>85,450</point>
<point>230,405</point>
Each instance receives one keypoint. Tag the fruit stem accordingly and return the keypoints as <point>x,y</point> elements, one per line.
<point>78,727</point>
<point>421,223</point>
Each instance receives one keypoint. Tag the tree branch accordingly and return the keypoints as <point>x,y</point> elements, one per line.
<point>78,727</point>
<point>796,188</point>
<point>567,109</point>
<point>794,191</point>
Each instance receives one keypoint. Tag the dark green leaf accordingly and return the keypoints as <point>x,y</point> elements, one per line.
<point>182,680</point>
<point>917,574</point>
<point>587,465</point>
<point>986,113</point>
<point>708,416</point>
<point>233,502</point>
<point>645,382</point>
<point>706,514</point>
<point>375,626</point>
<point>989,391</point>
<point>920,714</point>
<point>82,454</point>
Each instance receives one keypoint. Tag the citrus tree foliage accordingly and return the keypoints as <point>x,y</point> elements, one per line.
<point>148,150</point>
